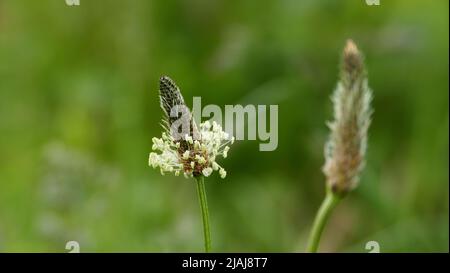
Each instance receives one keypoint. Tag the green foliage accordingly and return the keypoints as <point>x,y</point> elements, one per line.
<point>79,106</point>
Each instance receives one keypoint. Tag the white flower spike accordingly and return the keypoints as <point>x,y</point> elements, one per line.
<point>192,156</point>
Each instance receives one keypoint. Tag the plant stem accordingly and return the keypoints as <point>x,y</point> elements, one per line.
<point>205,214</point>
<point>324,212</point>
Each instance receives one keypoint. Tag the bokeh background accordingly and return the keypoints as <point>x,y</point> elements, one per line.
<point>79,106</point>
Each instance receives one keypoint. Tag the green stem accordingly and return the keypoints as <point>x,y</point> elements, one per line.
<point>328,204</point>
<point>205,214</point>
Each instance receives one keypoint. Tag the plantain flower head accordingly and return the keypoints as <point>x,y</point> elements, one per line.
<point>184,148</point>
<point>346,147</point>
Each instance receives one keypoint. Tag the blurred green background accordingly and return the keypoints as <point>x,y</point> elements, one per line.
<point>79,106</point>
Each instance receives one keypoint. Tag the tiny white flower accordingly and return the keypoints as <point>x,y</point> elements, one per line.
<point>207,171</point>
<point>222,173</point>
<point>200,159</point>
<point>225,151</point>
<point>189,139</point>
<point>196,144</point>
